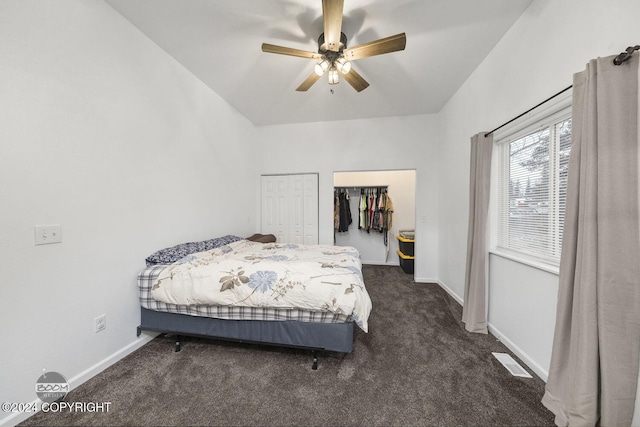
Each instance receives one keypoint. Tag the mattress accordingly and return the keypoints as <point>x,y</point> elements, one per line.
<point>149,275</point>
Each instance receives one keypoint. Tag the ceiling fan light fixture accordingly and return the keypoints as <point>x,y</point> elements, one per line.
<point>343,65</point>
<point>322,66</point>
<point>332,52</point>
<point>333,76</point>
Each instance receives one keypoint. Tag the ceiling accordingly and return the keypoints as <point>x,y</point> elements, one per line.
<point>219,41</point>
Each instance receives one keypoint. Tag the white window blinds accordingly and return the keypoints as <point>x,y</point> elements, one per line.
<point>533,187</point>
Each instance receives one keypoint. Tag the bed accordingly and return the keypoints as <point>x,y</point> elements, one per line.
<point>246,290</point>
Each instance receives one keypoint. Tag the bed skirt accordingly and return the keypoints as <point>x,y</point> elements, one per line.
<point>336,337</point>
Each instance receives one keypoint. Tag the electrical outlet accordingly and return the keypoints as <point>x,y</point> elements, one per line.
<point>46,234</point>
<point>100,323</point>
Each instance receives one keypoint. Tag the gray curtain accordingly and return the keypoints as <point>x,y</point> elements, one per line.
<point>474,310</point>
<point>594,362</point>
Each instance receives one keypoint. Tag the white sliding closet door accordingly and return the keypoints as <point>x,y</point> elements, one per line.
<point>310,202</point>
<point>296,210</point>
<point>290,208</point>
<point>274,217</point>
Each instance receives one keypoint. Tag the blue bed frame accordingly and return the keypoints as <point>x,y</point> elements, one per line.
<point>337,337</point>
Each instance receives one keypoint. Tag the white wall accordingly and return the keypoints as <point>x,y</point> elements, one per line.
<point>364,145</point>
<point>103,133</point>
<point>535,59</point>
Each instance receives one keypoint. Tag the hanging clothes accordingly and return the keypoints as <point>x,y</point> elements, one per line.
<point>362,210</point>
<point>336,210</point>
<point>388,217</point>
<point>382,209</point>
<point>375,210</point>
<point>379,211</point>
<point>344,211</point>
<point>388,222</point>
<point>371,209</point>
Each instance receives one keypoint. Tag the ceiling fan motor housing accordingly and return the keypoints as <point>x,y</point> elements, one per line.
<point>331,55</point>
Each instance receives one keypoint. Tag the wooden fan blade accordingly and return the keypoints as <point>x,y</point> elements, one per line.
<point>332,19</point>
<point>377,47</point>
<point>308,82</point>
<point>271,48</point>
<point>355,80</point>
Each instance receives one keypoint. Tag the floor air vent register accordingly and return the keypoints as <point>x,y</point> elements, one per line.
<point>512,366</point>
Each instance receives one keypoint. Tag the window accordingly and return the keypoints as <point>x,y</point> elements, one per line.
<point>533,185</point>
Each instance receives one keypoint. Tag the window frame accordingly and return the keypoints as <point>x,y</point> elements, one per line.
<point>554,111</point>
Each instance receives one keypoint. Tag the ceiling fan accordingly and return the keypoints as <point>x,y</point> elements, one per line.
<point>333,55</point>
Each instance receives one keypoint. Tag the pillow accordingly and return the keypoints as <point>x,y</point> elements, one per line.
<point>262,238</point>
<point>174,253</point>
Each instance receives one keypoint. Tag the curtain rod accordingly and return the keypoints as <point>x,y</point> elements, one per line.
<point>528,111</point>
<point>625,55</point>
<point>618,60</point>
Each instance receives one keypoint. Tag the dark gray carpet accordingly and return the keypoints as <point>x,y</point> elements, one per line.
<point>416,367</point>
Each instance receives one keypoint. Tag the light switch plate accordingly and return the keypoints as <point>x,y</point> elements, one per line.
<point>46,234</point>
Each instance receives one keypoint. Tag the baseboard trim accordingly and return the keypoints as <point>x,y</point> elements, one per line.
<point>18,417</point>
<point>425,280</point>
<point>531,364</point>
<point>110,360</point>
<point>535,367</point>
<point>450,292</point>
<point>390,264</point>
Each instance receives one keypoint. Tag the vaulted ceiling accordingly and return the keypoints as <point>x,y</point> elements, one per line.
<point>219,41</point>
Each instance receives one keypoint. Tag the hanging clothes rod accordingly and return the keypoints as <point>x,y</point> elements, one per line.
<point>362,186</point>
<point>618,60</point>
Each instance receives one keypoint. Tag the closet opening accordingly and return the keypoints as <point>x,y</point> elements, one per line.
<point>369,237</point>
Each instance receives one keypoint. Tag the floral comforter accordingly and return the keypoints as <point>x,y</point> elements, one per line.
<point>309,277</point>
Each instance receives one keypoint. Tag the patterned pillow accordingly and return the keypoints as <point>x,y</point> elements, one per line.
<point>174,253</point>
